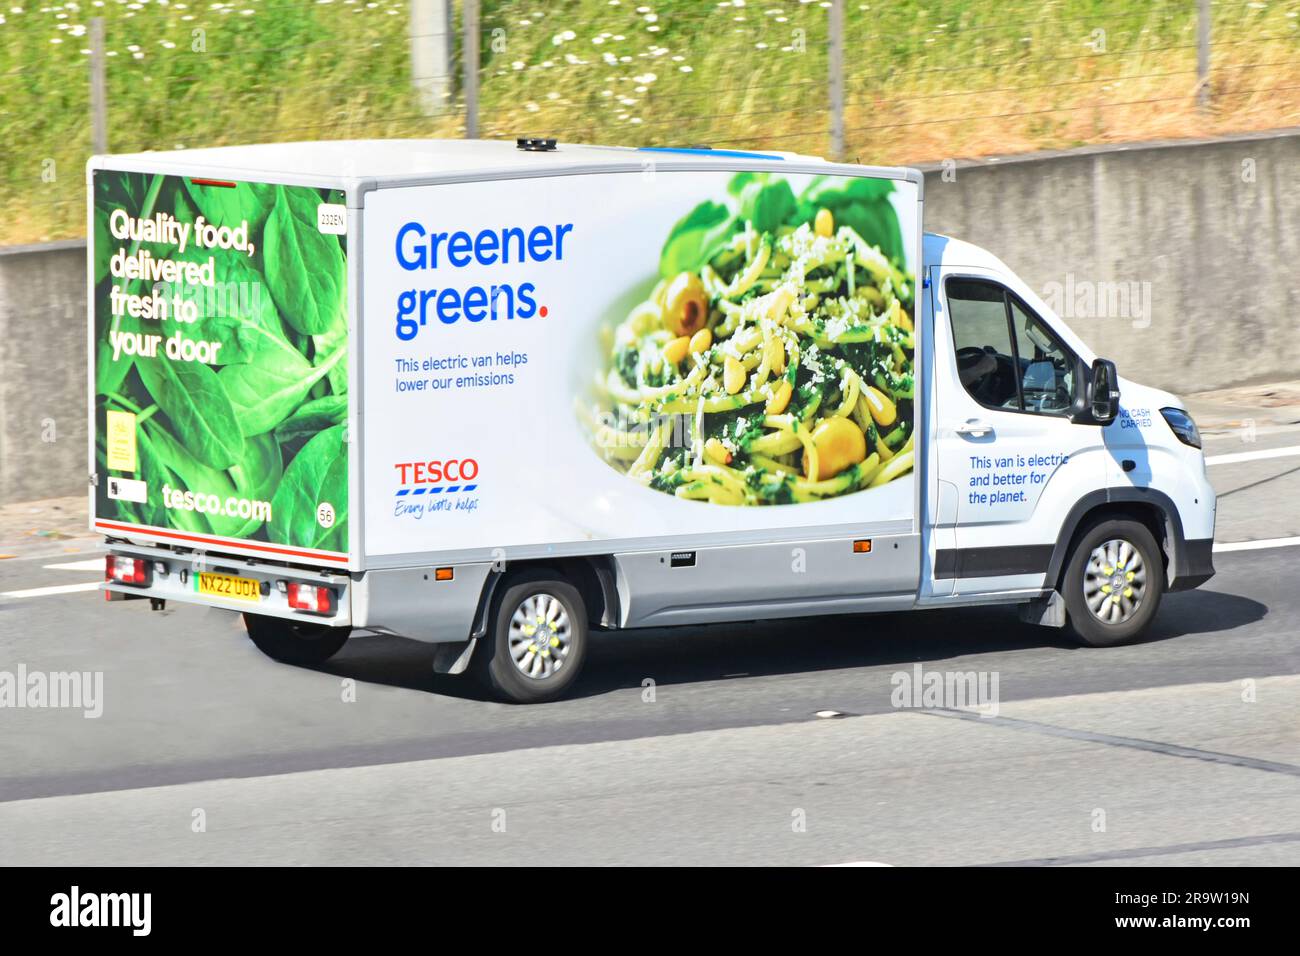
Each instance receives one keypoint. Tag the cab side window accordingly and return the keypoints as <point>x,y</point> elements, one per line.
<point>977,311</point>
<point>1006,357</point>
<point>1046,368</point>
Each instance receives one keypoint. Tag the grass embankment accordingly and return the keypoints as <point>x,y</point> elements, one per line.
<point>924,80</point>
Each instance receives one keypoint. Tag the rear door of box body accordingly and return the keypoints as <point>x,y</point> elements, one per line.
<point>219,377</point>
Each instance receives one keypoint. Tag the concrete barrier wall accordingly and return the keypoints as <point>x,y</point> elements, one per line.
<point>1180,261</point>
<point>1200,240</point>
<point>42,371</point>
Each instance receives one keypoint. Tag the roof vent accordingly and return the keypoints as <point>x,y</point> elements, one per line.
<point>535,144</point>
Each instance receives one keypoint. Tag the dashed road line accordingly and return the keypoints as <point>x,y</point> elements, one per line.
<point>1113,740</point>
<point>94,564</point>
<point>50,591</point>
<point>1233,457</point>
<point>1137,853</point>
<point>1257,545</point>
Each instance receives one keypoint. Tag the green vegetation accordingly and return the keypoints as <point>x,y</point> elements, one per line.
<point>925,79</point>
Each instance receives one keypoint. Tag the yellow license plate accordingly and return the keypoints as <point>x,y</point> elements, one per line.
<point>227,586</point>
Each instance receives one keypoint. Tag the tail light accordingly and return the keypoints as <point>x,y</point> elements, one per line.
<point>314,598</point>
<point>124,570</point>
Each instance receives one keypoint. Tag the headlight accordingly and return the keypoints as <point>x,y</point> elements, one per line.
<point>1182,426</point>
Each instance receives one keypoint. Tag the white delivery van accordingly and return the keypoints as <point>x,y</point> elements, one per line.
<point>492,395</point>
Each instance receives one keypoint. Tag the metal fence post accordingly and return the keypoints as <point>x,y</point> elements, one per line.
<point>835,31</point>
<point>430,34</point>
<point>1203,54</point>
<point>469,58</point>
<point>98,90</point>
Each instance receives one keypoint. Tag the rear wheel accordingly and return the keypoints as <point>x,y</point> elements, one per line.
<point>1113,583</point>
<point>537,639</point>
<point>295,642</point>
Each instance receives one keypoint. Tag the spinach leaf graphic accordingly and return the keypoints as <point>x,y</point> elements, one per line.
<point>313,417</point>
<point>228,206</point>
<point>317,475</point>
<point>104,505</point>
<point>233,427</point>
<point>305,269</point>
<point>195,400</point>
<point>109,375</point>
<point>691,238</point>
<point>265,391</point>
<point>237,311</point>
<point>103,241</point>
<point>759,198</point>
<point>326,345</point>
<point>766,201</point>
<point>193,475</point>
<point>257,475</point>
<point>155,474</point>
<point>860,202</point>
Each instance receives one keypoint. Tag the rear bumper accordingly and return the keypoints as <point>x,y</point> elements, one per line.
<point>1194,564</point>
<point>174,577</point>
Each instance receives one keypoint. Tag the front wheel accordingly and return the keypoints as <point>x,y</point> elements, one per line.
<point>1113,583</point>
<point>295,642</point>
<point>536,641</point>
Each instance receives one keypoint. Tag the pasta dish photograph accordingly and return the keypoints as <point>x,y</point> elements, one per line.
<point>772,363</point>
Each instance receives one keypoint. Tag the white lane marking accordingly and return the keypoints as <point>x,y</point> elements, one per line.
<point>1262,453</point>
<point>50,591</point>
<point>28,558</point>
<point>1259,545</point>
<point>858,863</point>
<point>94,564</point>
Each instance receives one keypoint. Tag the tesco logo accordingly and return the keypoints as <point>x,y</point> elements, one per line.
<point>437,471</point>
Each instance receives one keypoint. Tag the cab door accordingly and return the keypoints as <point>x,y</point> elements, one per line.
<point>1004,437</point>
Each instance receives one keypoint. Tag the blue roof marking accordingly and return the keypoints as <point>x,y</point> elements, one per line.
<point>734,154</point>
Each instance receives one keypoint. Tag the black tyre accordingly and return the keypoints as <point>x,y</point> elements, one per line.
<point>295,642</point>
<point>536,641</point>
<point>1113,583</point>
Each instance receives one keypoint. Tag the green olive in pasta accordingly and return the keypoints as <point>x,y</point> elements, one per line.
<point>686,307</point>
<point>839,444</point>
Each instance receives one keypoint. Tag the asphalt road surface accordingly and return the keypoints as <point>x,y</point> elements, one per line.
<point>770,743</point>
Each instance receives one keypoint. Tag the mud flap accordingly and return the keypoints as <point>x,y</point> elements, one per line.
<point>453,658</point>
<point>1047,611</point>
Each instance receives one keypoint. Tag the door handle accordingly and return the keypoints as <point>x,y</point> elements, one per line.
<point>974,428</point>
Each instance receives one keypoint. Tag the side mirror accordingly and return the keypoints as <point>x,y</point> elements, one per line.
<point>1103,392</point>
